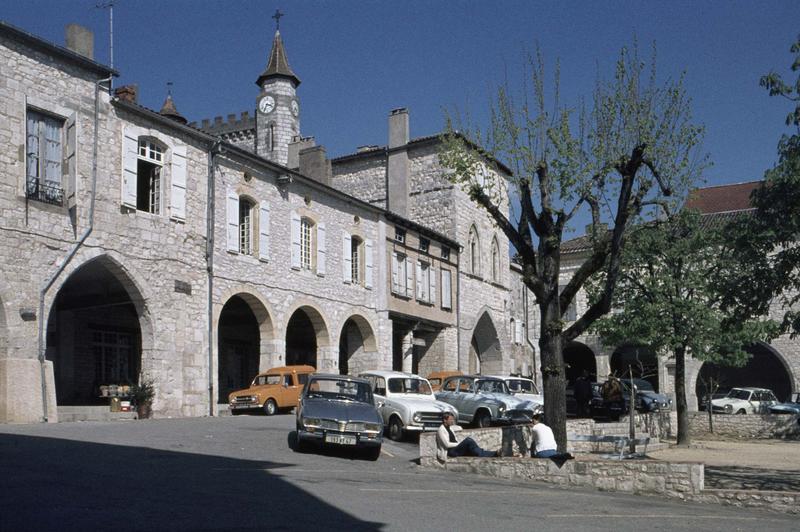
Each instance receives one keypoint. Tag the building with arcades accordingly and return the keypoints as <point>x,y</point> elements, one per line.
<point>135,244</point>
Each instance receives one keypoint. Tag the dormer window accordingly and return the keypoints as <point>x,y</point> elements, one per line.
<point>399,235</point>
<point>424,244</point>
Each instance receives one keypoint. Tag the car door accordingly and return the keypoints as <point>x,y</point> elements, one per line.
<point>470,398</point>
<point>379,391</point>
<point>453,396</point>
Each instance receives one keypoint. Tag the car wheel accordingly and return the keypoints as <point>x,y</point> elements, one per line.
<point>270,407</point>
<point>374,453</point>
<point>395,429</point>
<point>741,411</point>
<point>483,419</point>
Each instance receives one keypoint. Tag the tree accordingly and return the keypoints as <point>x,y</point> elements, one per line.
<point>669,296</point>
<point>768,242</point>
<point>630,151</point>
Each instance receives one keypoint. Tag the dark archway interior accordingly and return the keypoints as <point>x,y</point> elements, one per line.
<point>350,343</point>
<point>239,347</point>
<point>763,370</point>
<point>93,337</point>
<point>301,340</point>
<point>639,359</point>
<point>485,346</point>
<point>577,359</point>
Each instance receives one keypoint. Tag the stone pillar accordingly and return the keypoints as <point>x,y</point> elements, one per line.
<point>408,351</point>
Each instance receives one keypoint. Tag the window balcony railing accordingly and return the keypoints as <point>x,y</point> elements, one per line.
<point>44,192</point>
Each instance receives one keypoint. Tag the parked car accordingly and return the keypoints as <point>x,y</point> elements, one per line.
<point>271,391</point>
<point>485,401</point>
<point>406,402</point>
<point>745,401</point>
<point>339,410</point>
<point>595,403</point>
<point>647,398</point>
<point>792,406</point>
<point>702,400</point>
<point>437,377</point>
<point>523,388</point>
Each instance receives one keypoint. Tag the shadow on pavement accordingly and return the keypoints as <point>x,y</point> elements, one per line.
<point>57,484</point>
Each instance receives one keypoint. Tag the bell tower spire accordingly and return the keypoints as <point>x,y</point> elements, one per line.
<point>278,110</point>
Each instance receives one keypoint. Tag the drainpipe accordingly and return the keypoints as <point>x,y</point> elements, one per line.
<point>215,149</point>
<point>527,336</point>
<point>458,317</point>
<point>72,252</point>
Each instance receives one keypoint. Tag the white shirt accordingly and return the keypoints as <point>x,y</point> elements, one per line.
<point>545,440</point>
<point>443,442</point>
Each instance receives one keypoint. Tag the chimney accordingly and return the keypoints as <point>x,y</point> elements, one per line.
<point>80,40</point>
<point>314,164</point>
<point>397,171</point>
<point>298,144</point>
<point>127,93</point>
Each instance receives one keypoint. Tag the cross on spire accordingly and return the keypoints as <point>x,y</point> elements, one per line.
<point>277,16</point>
<point>169,88</point>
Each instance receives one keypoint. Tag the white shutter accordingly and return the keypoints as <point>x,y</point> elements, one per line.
<point>69,168</point>
<point>518,331</point>
<point>409,277</point>
<point>295,241</point>
<point>130,161</point>
<point>177,200</point>
<point>447,293</point>
<point>347,257</point>
<point>368,263</point>
<point>321,249</point>
<point>419,281</point>
<point>395,272</point>
<point>232,219</point>
<point>432,276</point>
<point>263,231</point>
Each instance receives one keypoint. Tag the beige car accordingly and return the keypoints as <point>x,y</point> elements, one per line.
<point>275,389</point>
<point>437,377</point>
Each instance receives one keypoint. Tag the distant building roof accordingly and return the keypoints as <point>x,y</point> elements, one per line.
<point>722,198</point>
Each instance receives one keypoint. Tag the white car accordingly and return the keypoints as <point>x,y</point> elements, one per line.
<point>523,388</point>
<point>744,401</point>
<point>406,402</point>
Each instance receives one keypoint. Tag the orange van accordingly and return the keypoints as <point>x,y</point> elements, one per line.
<point>277,388</point>
<point>437,377</point>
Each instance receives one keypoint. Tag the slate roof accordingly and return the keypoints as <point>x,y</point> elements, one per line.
<point>278,65</point>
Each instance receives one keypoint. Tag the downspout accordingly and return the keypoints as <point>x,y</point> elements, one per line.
<point>527,336</point>
<point>72,252</point>
<point>210,220</point>
<point>458,317</point>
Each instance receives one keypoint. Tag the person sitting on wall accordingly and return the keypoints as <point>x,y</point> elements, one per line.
<point>447,445</point>
<point>544,444</point>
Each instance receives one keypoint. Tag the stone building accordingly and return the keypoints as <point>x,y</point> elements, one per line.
<point>136,245</point>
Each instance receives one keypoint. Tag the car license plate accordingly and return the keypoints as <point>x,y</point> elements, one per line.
<point>340,439</point>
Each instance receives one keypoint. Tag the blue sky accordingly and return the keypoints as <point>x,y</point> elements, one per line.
<point>359,60</point>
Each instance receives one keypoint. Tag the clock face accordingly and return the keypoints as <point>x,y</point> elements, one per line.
<point>295,108</point>
<point>266,104</point>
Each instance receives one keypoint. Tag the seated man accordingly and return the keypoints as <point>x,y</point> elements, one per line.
<point>447,445</point>
<point>545,442</point>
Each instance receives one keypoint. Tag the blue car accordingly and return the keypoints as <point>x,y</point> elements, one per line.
<point>792,406</point>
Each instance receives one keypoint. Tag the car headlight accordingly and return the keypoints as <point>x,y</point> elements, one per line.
<point>373,427</point>
<point>728,408</point>
<point>501,408</point>
<point>311,422</point>
<point>417,417</point>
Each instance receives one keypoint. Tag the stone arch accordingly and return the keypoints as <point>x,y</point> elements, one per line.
<point>766,368</point>
<point>244,340</point>
<point>307,336</point>
<point>356,343</point>
<point>98,331</point>
<point>641,359</point>
<point>485,351</point>
<point>579,357</point>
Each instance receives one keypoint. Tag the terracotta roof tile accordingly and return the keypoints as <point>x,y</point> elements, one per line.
<point>722,198</point>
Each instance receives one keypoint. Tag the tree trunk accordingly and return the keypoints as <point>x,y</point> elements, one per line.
<point>680,396</point>
<point>553,378</point>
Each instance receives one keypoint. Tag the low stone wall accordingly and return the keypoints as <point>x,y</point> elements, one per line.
<point>661,425</point>
<point>779,501</point>
<point>747,426</point>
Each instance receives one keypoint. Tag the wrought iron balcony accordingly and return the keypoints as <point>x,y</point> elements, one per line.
<point>44,192</point>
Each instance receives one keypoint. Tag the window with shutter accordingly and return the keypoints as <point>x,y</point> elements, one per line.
<point>409,270</point>
<point>263,231</point>
<point>177,200</point>
<point>232,219</point>
<point>321,252</point>
<point>70,166</point>
<point>297,241</point>
<point>347,268</point>
<point>368,263</point>
<point>44,152</point>
<point>447,294</point>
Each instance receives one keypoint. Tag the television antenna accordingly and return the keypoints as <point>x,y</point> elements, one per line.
<point>110,6</point>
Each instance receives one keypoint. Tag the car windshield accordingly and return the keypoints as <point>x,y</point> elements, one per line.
<point>491,386</point>
<point>641,384</point>
<point>342,389</point>
<point>267,379</point>
<point>744,395</point>
<point>417,386</point>
<point>521,385</point>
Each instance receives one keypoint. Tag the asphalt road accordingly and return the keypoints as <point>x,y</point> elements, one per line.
<point>239,473</point>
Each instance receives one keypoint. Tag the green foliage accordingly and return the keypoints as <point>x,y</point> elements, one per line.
<point>669,293</point>
<point>767,243</point>
<point>143,391</point>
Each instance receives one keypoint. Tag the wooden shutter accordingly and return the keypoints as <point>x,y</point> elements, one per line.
<point>432,289</point>
<point>518,332</point>
<point>447,293</point>
<point>130,161</point>
<point>395,272</point>
<point>347,258</point>
<point>69,167</point>
<point>232,219</point>
<point>409,277</point>
<point>263,231</point>
<point>295,241</point>
<point>321,249</point>
<point>419,281</point>
<point>368,263</point>
<point>177,200</point>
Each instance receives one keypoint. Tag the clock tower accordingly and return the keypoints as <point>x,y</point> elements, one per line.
<point>277,108</point>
